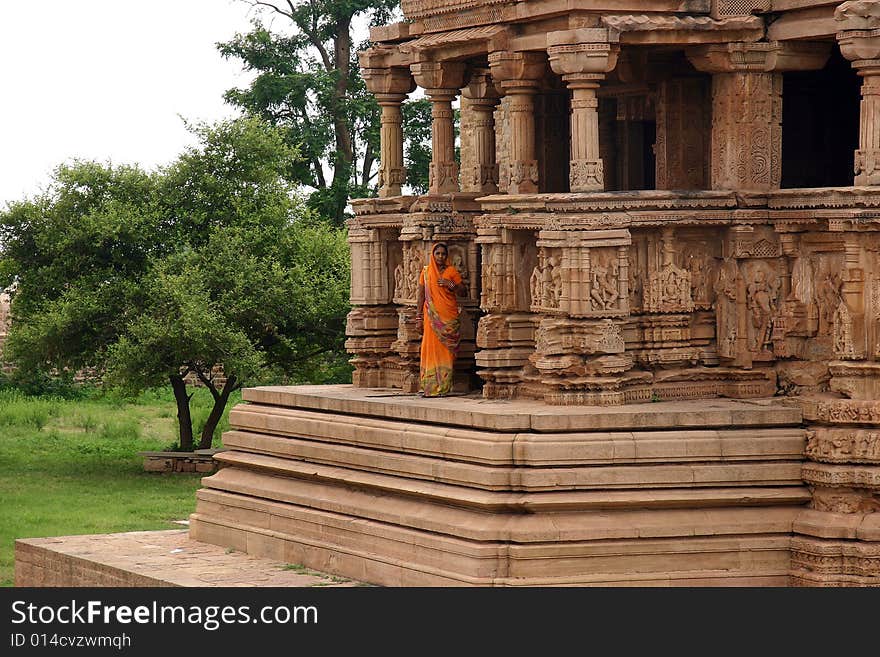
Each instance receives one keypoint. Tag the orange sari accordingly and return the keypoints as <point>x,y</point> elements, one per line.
<point>441,332</point>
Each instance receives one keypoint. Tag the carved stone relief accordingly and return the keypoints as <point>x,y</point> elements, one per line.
<point>725,308</point>
<point>604,280</point>
<point>636,274</point>
<point>545,282</point>
<point>406,274</point>
<point>844,344</point>
<point>849,445</point>
<point>762,301</point>
<point>669,286</point>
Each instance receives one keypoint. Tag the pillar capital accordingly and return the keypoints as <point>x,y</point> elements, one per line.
<point>481,90</point>
<point>397,81</point>
<point>858,15</point>
<point>861,47</point>
<point>765,57</point>
<point>583,58</point>
<point>517,70</point>
<point>441,78</point>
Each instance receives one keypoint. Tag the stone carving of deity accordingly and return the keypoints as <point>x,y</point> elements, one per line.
<point>725,309</point>
<point>552,292</point>
<point>536,280</point>
<point>843,333</point>
<point>414,268</point>
<point>398,282</point>
<point>603,291</point>
<point>635,284</point>
<point>762,298</point>
<point>829,300</point>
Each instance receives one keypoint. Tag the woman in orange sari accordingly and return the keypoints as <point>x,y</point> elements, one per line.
<point>437,308</point>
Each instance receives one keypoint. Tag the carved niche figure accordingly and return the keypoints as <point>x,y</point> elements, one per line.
<point>603,291</point>
<point>669,290</point>
<point>828,300</point>
<point>634,274</point>
<point>725,309</point>
<point>412,268</point>
<point>701,271</point>
<point>552,293</point>
<point>537,278</point>
<point>398,282</point>
<point>459,260</point>
<point>545,282</point>
<point>762,297</point>
<point>493,277</point>
<point>843,333</point>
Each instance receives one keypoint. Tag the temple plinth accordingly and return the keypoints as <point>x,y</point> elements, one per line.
<point>666,216</point>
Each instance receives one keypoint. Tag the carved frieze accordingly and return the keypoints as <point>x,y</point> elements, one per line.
<point>850,445</point>
<point>842,411</point>
<point>557,336</point>
<point>842,500</point>
<point>839,476</point>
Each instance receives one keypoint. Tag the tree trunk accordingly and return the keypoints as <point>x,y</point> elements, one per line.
<point>220,401</point>
<point>184,419</point>
<point>344,160</point>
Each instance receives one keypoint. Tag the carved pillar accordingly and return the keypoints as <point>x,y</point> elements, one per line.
<point>518,74</point>
<point>746,145</point>
<point>862,48</point>
<point>583,66</point>
<point>390,85</point>
<point>392,173</point>
<point>441,82</point>
<point>482,99</point>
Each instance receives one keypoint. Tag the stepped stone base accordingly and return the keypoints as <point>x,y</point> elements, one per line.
<point>398,490</point>
<point>151,559</point>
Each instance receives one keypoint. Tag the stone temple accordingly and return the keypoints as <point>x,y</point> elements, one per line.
<point>667,213</point>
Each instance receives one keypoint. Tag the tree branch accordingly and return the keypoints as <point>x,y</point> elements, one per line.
<point>209,383</point>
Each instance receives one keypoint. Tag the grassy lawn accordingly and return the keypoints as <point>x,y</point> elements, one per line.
<point>71,466</point>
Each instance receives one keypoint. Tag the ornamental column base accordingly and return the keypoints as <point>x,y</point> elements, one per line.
<point>587,175</point>
<point>867,167</point>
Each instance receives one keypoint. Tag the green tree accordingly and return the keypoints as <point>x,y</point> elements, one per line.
<point>308,83</point>
<point>153,276</point>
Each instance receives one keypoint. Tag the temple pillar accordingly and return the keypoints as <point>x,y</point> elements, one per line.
<point>862,48</point>
<point>441,82</point>
<point>746,142</point>
<point>518,74</point>
<point>480,172</point>
<point>582,66</point>
<point>392,173</point>
<point>390,85</point>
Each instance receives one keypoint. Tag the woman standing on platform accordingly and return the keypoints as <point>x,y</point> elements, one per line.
<point>438,309</point>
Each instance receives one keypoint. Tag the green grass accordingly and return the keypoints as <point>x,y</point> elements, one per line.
<point>71,466</point>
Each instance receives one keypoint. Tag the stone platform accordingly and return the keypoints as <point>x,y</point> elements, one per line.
<point>399,490</point>
<point>151,559</point>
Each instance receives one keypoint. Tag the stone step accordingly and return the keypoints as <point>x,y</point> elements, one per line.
<point>509,448</point>
<point>519,415</point>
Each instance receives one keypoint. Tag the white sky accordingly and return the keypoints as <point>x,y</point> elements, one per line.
<point>106,80</point>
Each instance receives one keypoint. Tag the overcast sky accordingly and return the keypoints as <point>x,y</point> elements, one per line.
<point>106,80</point>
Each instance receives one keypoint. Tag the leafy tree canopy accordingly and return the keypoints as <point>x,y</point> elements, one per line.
<point>152,276</point>
<point>308,84</point>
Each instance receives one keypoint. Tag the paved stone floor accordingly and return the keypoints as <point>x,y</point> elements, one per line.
<point>170,557</point>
